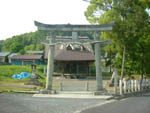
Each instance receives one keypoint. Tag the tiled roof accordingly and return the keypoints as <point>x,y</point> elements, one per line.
<point>70,55</point>
<point>27,57</point>
<point>3,54</point>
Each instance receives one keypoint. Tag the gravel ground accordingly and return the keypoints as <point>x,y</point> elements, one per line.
<point>22,103</point>
<point>76,84</point>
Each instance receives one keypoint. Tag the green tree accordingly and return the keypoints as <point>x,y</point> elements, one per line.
<point>16,47</point>
<point>131,22</point>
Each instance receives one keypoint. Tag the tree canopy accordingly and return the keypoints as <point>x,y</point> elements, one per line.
<point>131,31</point>
<point>24,42</point>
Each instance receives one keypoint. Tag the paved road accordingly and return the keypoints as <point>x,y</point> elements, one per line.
<point>19,103</point>
<point>138,104</point>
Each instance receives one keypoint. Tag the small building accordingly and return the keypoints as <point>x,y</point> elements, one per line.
<point>26,59</point>
<point>4,56</point>
<point>72,60</point>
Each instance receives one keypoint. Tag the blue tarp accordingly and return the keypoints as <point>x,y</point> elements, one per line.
<point>22,75</point>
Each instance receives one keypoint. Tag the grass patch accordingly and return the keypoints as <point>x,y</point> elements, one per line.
<point>106,74</point>
<point>6,72</point>
<point>7,89</point>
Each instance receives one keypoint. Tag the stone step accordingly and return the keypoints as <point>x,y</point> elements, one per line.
<point>75,92</point>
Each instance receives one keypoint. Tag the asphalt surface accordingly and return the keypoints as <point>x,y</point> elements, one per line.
<point>138,104</point>
<point>22,103</point>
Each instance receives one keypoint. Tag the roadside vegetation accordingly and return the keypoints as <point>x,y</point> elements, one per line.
<point>7,71</point>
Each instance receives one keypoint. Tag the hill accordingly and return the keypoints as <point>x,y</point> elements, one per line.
<point>24,42</point>
<point>30,41</point>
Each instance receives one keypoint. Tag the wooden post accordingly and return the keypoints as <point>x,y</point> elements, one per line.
<point>98,62</point>
<point>121,87</point>
<point>115,82</point>
<point>61,86</point>
<point>87,86</point>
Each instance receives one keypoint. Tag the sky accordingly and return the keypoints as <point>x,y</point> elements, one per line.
<point>17,16</point>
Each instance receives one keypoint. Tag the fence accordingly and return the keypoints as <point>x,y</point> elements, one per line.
<point>130,86</point>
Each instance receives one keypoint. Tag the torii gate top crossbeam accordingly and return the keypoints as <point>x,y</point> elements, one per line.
<point>76,28</point>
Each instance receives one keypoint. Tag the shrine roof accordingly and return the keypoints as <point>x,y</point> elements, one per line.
<point>70,55</point>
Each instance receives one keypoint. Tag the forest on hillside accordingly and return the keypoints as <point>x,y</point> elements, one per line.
<point>31,41</point>
<point>24,42</point>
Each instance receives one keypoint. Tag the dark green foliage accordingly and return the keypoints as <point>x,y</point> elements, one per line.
<point>131,30</point>
<point>16,47</point>
<point>1,44</point>
<point>22,52</point>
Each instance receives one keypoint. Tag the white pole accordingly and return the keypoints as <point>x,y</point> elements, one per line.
<point>136,85</point>
<point>146,82</point>
<point>129,86</point>
<point>121,88</point>
<point>125,86</point>
<point>132,85</point>
<point>139,85</point>
<point>143,84</point>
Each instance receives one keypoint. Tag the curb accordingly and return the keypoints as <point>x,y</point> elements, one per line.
<point>15,91</point>
<point>28,92</point>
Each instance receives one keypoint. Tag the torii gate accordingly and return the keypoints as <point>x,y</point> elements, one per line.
<point>74,29</point>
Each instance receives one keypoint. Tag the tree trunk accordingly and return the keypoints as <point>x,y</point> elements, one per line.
<point>142,66</point>
<point>123,62</point>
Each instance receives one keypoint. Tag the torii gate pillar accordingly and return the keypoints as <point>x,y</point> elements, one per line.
<point>98,62</point>
<point>50,66</point>
<point>50,63</point>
